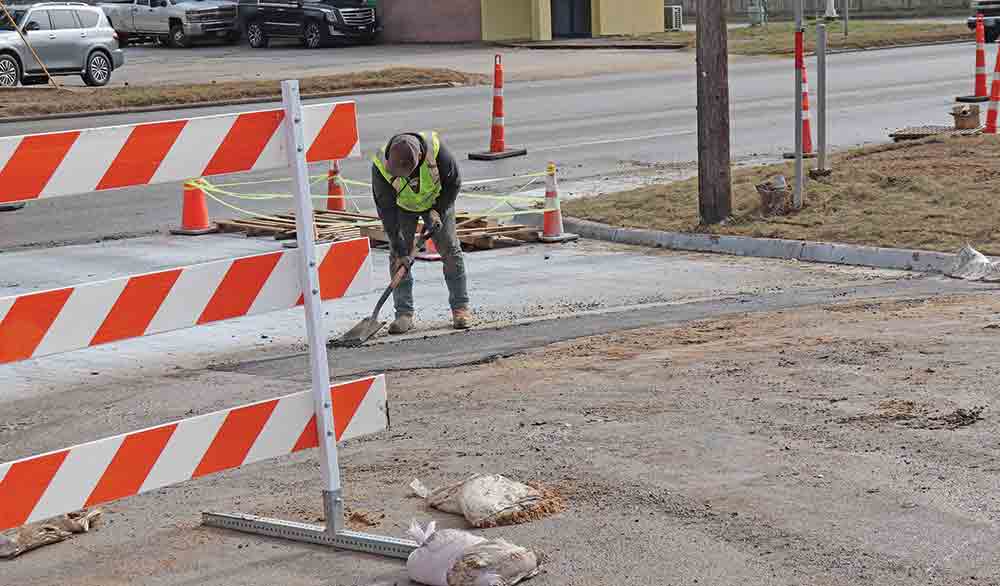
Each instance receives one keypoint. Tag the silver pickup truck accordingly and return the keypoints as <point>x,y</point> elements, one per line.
<point>173,22</point>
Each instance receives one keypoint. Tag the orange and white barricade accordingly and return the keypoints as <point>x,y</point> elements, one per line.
<point>71,318</point>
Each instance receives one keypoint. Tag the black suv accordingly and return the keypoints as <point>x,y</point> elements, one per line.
<point>314,22</point>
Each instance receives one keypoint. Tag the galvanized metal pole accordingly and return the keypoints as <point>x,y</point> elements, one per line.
<point>821,91</point>
<point>847,15</point>
<point>309,278</point>
<point>799,50</point>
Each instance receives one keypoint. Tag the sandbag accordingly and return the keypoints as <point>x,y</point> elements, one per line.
<point>491,500</point>
<point>972,265</point>
<point>493,563</point>
<point>439,550</point>
<point>29,537</point>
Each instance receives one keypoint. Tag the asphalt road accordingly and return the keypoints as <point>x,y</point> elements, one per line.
<point>610,127</point>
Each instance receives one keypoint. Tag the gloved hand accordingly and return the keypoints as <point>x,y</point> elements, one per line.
<point>433,222</point>
<point>401,261</point>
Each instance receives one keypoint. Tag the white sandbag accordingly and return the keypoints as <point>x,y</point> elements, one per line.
<point>489,500</point>
<point>493,563</point>
<point>438,552</point>
<point>971,265</point>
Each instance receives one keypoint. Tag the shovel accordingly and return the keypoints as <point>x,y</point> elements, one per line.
<point>368,327</point>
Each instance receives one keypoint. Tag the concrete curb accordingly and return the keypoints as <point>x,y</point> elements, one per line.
<point>801,250</point>
<point>590,47</point>
<point>238,102</point>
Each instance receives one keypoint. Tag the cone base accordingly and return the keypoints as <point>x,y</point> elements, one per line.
<point>804,155</point>
<point>489,156</point>
<point>972,99</point>
<point>558,239</point>
<point>428,256</point>
<point>212,229</point>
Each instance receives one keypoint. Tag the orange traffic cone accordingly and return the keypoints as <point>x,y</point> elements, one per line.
<point>430,252</point>
<point>552,226</point>
<point>498,142</point>
<point>979,87</point>
<point>335,189</point>
<point>194,217</point>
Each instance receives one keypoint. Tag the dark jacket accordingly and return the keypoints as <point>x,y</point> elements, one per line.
<point>385,194</point>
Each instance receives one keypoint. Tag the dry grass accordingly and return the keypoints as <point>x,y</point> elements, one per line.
<point>778,38</point>
<point>937,194</point>
<point>34,101</point>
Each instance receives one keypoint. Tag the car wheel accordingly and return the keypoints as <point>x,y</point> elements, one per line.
<point>98,71</point>
<point>178,38</point>
<point>10,71</point>
<point>312,36</point>
<point>256,36</point>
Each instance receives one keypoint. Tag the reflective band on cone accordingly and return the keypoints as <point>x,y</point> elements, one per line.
<point>552,226</point>
<point>335,189</point>
<point>194,217</point>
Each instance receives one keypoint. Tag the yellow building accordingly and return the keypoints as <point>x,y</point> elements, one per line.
<point>542,20</point>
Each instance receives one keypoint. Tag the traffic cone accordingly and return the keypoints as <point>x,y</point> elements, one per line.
<point>552,225</point>
<point>194,217</point>
<point>335,189</point>
<point>498,144</point>
<point>807,142</point>
<point>430,252</point>
<point>991,113</point>
<point>979,90</point>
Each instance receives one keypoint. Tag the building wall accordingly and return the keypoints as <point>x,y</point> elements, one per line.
<point>626,17</point>
<point>505,20</point>
<point>431,21</point>
<point>861,8</point>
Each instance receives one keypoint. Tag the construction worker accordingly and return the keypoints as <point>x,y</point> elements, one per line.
<point>416,176</point>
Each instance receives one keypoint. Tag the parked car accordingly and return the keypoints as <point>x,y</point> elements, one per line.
<point>70,38</point>
<point>314,22</point>
<point>990,9</point>
<point>174,22</point>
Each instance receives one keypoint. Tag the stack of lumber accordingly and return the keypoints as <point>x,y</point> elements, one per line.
<point>330,226</point>
<point>474,234</point>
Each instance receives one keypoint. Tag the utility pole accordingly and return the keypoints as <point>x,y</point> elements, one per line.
<point>715,197</point>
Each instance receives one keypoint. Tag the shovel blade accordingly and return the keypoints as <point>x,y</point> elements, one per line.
<point>359,334</point>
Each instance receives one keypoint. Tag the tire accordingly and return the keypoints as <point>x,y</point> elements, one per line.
<point>10,71</point>
<point>178,38</point>
<point>256,36</point>
<point>98,72</point>
<point>312,35</point>
<point>992,34</point>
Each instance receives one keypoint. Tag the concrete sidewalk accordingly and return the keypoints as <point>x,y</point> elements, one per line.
<point>507,286</point>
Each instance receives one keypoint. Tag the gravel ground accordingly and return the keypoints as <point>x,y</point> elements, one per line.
<point>834,445</point>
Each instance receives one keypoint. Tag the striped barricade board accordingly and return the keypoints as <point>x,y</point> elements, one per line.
<point>71,318</point>
<point>81,161</point>
<point>62,481</point>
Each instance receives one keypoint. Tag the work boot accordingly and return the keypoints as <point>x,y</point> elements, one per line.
<point>461,319</point>
<point>402,324</point>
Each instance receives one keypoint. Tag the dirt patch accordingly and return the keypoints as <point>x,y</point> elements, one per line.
<point>778,38</point>
<point>36,101</point>
<point>938,194</point>
<point>918,416</point>
<point>361,519</point>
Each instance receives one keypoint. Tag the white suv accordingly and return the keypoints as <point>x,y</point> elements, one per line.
<point>70,38</point>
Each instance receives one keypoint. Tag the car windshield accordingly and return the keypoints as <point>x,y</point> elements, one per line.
<point>5,24</point>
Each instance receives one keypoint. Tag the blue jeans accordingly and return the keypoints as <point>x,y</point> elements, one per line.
<point>450,249</point>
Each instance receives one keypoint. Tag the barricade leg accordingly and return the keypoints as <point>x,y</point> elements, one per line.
<point>333,533</point>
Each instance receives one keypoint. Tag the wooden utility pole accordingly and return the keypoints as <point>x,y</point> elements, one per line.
<point>715,197</point>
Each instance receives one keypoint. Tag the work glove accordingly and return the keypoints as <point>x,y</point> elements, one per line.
<point>432,222</point>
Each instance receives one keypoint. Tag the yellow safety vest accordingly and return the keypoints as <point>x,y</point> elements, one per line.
<point>429,188</point>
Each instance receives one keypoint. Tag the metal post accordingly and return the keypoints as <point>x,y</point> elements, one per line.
<point>333,534</point>
<point>309,277</point>
<point>847,15</point>
<point>799,50</point>
<point>821,92</point>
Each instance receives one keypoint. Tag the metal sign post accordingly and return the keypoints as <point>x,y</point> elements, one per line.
<point>333,533</point>
<point>799,56</point>
<point>821,39</point>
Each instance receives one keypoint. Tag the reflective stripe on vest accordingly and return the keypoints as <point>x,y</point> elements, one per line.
<point>430,179</point>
